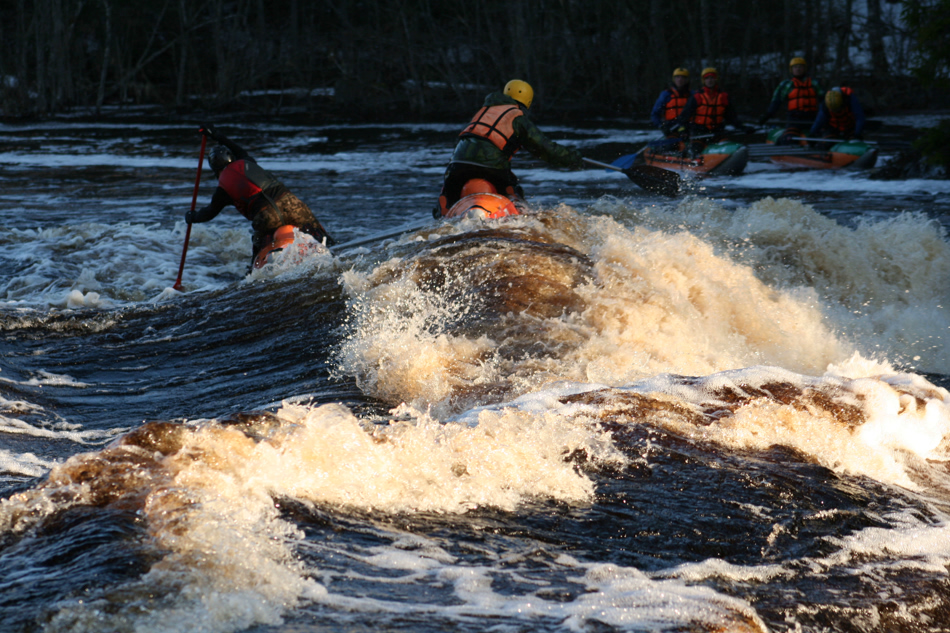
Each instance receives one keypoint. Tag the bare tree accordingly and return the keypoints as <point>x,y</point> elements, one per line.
<point>414,56</point>
<point>107,41</point>
<point>876,38</point>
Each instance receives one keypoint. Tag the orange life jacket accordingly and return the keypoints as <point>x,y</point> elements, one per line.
<point>676,104</point>
<point>496,124</point>
<point>843,119</point>
<point>802,97</point>
<point>710,107</point>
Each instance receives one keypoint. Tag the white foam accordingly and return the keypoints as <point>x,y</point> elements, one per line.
<point>625,597</point>
<point>660,301</point>
<point>419,464</point>
<point>715,568</point>
<point>19,427</point>
<point>49,379</point>
<point>73,159</point>
<point>892,427</point>
<point>901,420</point>
<point>215,504</point>
<point>227,559</point>
<point>100,266</point>
<point>76,299</point>
<point>17,407</point>
<point>613,595</point>
<point>304,256</point>
<point>24,464</point>
<point>907,543</point>
<point>878,286</point>
<point>833,181</point>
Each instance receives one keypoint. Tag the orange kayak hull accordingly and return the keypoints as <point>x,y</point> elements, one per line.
<point>830,160</point>
<point>282,238</point>
<point>850,154</point>
<point>486,205</point>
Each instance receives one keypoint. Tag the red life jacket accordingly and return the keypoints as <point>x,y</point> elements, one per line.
<point>496,124</point>
<point>843,119</point>
<point>802,97</point>
<point>710,107</point>
<point>245,182</point>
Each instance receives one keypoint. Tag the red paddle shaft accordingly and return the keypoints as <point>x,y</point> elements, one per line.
<point>194,201</point>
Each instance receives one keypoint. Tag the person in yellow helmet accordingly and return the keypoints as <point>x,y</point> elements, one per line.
<point>840,115</point>
<point>709,109</point>
<point>486,145</point>
<point>798,96</point>
<point>671,101</point>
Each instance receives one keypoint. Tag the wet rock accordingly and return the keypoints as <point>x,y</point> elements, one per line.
<point>908,163</point>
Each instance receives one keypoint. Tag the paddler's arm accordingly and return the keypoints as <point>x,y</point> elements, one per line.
<point>236,150</point>
<point>779,97</point>
<point>858,113</point>
<point>219,200</point>
<point>544,148</point>
<point>732,118</point>
<point>656,114</point>
<point>681,122</point>
<point>820,121</point>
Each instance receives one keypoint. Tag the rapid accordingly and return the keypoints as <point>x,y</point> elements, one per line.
<point>726,411</point>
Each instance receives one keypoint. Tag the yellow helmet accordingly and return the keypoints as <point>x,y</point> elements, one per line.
<point>796,61</point>
<point>710,71</point>
<point>834,99</point>
<point>681,72</point>
<point>520,91</point>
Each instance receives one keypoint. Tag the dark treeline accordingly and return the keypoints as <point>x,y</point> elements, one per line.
<point>429,59</point>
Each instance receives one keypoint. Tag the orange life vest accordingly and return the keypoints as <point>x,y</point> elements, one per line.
<point>710,107</point>
<point>496,124</point>
<point>675,105</point>
<point>843,119</point>
<point>802,97</point>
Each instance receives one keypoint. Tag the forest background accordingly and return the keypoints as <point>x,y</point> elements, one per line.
<point>360,60</point>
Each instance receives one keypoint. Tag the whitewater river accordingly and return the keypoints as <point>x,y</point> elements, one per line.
<point>722,412</point>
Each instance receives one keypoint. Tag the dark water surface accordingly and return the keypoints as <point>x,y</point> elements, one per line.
<point>622,412</point>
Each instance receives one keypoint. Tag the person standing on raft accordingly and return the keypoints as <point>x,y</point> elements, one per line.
<point>485,147</point>
<point>256,193</point>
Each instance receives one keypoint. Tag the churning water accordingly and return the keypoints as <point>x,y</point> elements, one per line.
<point>723,412</point>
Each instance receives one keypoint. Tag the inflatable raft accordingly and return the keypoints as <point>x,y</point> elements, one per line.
<point>722,158</point>
<point>787,147</point>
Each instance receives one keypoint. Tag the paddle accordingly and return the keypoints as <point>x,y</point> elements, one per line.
<point>652,178</point>
<point>625,162</point>
<point>765,151</point>
<point>829,140</point>
<point>194,200</point>
<point>382,235</point>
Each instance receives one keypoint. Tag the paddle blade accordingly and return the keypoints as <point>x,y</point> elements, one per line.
<point>655,179</point>
<point>382,235</point>
<point>625,162</point>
